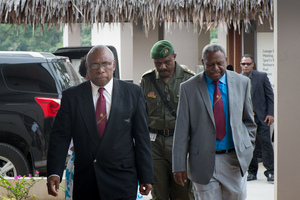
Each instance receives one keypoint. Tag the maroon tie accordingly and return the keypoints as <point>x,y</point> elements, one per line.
<point>101,115</point>
<point>219,112</point>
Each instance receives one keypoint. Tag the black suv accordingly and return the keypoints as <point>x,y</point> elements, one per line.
<point>31,86</point>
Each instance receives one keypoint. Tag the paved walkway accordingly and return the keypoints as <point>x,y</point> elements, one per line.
<point>259,189</point>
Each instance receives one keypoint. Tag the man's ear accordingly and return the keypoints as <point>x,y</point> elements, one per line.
<point>87,69</point>
<point>114,65</point>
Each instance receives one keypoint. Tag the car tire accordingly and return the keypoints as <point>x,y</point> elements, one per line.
<point>12,161</point>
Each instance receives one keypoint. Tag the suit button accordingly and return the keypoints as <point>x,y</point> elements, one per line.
<point>95,160</point>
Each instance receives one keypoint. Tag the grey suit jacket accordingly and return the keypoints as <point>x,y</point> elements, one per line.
<point>262,95</point>
<point>195,132</point>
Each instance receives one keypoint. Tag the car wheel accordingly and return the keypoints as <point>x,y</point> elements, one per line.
<point>12,161</point>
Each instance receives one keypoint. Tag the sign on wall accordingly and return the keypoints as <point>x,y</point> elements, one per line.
<point>265,55</point>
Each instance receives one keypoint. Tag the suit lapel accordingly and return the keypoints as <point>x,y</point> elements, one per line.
<point>253,82</point>
<point>231,87</point>
<point>86,106</point>
<point>204,93</point>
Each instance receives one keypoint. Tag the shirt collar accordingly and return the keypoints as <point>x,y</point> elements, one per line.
<point>179,71</point>
<point>222,79</point>
<point>108,87</point>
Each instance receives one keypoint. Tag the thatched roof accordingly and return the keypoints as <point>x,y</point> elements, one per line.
<point>205,13</point>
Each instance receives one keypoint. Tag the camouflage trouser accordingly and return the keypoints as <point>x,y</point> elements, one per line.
<point>164,183</point>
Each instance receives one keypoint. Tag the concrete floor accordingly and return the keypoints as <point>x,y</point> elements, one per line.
<point>259,189</point>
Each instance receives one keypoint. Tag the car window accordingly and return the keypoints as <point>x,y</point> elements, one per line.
<point>28,77</point>
<point>76,63</point>
<point>67,76</point>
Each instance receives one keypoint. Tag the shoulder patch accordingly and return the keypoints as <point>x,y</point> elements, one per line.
<point>189,71</point>
<point>148,72</point>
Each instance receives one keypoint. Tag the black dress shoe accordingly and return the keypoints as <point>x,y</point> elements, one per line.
<point>270,177</point>
<point>251,177</point>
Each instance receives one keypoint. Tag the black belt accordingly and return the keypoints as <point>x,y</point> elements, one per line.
<point>224,151</point>
<point>163,132</point>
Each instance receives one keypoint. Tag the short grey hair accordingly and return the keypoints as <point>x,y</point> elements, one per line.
<point>212,48</point>
<point>99,47</point>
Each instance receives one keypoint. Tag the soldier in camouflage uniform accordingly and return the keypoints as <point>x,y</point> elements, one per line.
<point>168,75</point>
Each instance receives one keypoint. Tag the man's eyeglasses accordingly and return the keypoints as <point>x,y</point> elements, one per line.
<point>104,65</point>
<point>248,64</point>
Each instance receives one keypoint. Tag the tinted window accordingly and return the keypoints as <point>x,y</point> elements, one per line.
<point>29,77</point>
<point>67,76</point>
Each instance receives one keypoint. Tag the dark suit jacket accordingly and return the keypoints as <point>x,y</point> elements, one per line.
<point>114,163</point>
<point>262,95</point>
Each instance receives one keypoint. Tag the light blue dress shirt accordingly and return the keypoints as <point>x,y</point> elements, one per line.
<point>227,142</point>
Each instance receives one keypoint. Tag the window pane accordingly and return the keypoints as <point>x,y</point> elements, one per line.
<point>67,76</point>
<point>29,77</point>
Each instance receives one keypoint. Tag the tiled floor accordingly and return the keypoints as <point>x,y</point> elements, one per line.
<point>259,189</point>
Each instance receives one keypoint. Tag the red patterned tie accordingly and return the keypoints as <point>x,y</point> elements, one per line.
<point>101,115</point>
<point>219,112</point>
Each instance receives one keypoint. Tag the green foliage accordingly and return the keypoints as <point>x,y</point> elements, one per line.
<point>20,189</point>
<point>85,35</point>
<point>14,38</point>
<point>214,35</point>
<point>21,38</point>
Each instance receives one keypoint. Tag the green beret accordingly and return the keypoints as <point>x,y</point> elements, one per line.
<point>161,49</point>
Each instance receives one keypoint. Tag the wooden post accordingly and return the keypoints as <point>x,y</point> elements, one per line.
<point>234,49</point>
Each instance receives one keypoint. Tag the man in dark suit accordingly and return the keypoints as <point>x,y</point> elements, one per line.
<point>109,165</point>
<point>263,106</point>
<point>213,151</point>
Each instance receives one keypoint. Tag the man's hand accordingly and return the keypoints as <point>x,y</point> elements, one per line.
<point>269,119</point>
<point>145,188</point>
<point>53,185</point>
<point>72,148</point>
<point>180,177</point>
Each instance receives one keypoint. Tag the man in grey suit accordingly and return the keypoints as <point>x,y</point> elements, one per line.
<point>216,165</point>
<point>263,106</point>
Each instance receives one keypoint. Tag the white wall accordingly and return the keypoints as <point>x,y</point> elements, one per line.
<point>127,57</point>
<point>71,35</point>
<point>185,42</point>
<point>222,35</point>
<point>141,51</point>
<point>287,95</point>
